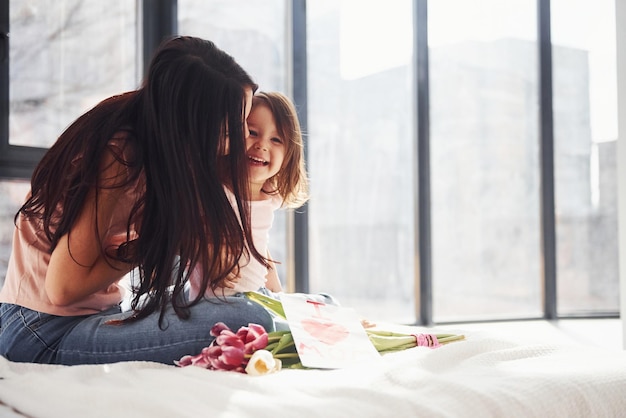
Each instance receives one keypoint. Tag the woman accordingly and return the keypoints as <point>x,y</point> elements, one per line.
<point>136,184</point>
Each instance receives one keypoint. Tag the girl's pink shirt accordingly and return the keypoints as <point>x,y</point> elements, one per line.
<point>24,284</point>
<point>252,272</point>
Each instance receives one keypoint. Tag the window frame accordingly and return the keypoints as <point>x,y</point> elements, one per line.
<point>16,161</point>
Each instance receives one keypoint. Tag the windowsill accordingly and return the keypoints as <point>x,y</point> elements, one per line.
<point>593,332</point>
<point>606,333</point>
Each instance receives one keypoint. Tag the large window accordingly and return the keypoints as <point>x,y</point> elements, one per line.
<point>361,155</point>
<point>485,127</point>
<point>484,159</point>
<point>585,133</point>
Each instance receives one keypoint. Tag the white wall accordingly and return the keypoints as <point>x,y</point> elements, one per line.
<point>620,13</point>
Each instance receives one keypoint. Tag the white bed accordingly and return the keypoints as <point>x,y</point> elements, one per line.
<point>486,375</point>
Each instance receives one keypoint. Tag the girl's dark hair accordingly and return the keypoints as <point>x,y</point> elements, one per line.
<point>185,129</point>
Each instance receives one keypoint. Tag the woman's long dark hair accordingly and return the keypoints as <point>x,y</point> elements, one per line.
<point>192,97</point>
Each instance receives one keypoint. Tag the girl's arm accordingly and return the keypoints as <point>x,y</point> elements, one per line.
<point>77,265</point>
<point>273,282</point>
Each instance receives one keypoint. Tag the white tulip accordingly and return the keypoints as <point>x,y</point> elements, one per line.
<point>262,362</point>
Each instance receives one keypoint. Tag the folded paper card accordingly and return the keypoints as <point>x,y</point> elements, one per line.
<point>326,336</point>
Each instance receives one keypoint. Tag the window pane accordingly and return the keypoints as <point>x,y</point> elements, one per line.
<point>66,56</point>
<point>12,194</point>
<point>255,34</point>
<point>585,132</point>
<point>484,159</point>
<point>361,155</point>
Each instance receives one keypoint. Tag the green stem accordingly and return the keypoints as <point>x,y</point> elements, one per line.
<point>286,355</point>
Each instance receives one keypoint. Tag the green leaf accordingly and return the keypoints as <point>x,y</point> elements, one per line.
<point>286,341</point>
<point>271,304</point>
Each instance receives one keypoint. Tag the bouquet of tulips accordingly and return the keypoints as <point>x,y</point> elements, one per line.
<point>253,351</point>
<point>249,350</point>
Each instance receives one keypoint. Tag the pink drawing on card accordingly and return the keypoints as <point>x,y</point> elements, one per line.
<point>325,331</point>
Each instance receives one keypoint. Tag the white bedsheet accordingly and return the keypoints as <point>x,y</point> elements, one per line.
<point>483,376</point>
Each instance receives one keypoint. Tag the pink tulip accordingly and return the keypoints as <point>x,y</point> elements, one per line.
<point>199,360</point>
<point>184,361</point>
<point>228,350</point>
<point>225,357</point>
<point>218,328</point>
<point>229,339</point>
<point>254,337</point>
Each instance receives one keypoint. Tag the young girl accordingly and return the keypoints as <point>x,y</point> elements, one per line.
<point>136,182</point>
<point>274,151</point>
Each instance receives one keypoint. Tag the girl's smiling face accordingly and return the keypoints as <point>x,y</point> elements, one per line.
<point>265,148</point>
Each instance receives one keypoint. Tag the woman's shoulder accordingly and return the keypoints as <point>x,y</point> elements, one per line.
<point>123,145</point>
<point>121,164</point>
<point>122,138</point>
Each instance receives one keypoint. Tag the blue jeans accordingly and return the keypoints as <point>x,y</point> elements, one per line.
<point>31,336</point>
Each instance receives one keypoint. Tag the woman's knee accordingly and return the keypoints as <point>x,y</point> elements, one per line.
<point>235,312</point>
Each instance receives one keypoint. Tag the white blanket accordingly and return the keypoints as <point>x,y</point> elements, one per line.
<point>482,377</point>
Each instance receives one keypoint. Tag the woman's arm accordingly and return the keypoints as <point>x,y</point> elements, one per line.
<point>78,268</point>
